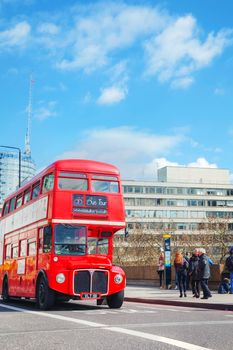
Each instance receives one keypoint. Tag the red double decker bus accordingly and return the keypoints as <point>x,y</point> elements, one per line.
<point>56,236</point>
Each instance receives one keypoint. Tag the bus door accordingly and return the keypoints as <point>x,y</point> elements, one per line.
<point>26,264</point>
<point>44,248</point>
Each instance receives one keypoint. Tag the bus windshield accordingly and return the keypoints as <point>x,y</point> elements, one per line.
<point>70,239</point>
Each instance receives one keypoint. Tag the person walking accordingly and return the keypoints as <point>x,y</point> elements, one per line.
<point>229,266</point>
<point>187,257</point>
<point>160,269</point>
<point>193,273</point>
<point>181,266</point>
<point>204,273</point>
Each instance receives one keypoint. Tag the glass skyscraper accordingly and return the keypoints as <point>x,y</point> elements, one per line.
<point>9,171</point>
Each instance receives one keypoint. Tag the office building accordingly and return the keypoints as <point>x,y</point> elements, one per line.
<point>180,201</point>
<point>9,171</point>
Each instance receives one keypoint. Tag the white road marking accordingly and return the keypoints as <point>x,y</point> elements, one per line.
<point>121,311</point>
<point>174,342</point>
<point>163,308</point>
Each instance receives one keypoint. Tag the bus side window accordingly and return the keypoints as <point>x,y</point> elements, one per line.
<point>19,201</point>
<point>48,183</point>
<point>27,196</point>
<point>12,204</point>
<point>6,208</point>
<point>8,251</point>
<point>36,190</point>
<point>47,241</point>
<point>15,250</point>
<point>23,247</point>
<point>31,248</point>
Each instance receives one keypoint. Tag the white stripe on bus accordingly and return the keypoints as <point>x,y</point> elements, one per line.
<point>29,227</point>
<point>94,222</point>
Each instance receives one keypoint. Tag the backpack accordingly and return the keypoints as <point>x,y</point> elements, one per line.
<point>229,263</point>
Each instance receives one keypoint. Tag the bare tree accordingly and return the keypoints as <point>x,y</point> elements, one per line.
<point>141,247</point>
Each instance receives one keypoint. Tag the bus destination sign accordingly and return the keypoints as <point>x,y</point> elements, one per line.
<point>89,204</point>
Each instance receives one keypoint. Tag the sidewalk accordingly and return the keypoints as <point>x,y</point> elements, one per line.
<point>144,293</point>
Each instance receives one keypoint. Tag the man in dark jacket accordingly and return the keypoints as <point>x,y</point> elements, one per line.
<point>204,273</point>
<point>229,266</point>
<point>193,273</point>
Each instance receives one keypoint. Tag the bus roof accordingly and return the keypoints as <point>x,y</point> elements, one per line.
<point>82,165</point>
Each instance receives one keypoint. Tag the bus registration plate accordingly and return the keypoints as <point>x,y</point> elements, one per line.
<point>90,296</point>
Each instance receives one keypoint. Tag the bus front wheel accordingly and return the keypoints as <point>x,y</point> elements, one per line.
<point>45,295</point>
<point>115,301</point>
<point>5,294</point>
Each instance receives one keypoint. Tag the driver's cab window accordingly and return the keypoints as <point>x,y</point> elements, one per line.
<point>97,246</point>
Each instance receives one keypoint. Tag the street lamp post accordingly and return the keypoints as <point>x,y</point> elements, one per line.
<point>19,150</point>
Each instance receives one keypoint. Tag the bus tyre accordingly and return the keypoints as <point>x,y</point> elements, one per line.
<point>5,295</point>
<point>45,295</point>
<point>115,301</point>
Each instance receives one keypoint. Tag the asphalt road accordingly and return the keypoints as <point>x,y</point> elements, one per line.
<point>83,325</point>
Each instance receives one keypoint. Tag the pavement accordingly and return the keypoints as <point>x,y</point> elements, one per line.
<point>140,292</point>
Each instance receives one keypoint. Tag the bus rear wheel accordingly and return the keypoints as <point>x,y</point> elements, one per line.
<point>5,294</point>
<point>45,295</point>
<point>115,301</point>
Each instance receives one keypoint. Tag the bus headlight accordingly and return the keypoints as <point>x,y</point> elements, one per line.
<point>118,279</point>
<point>60,278</point>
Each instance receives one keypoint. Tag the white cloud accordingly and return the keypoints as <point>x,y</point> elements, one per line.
<point>202,163</point>
<point>118,90</point>
<point>129,149</point>
<point>112,95</point>
<point>48,28</point>
<point>45,110</point>
<point>16,36</point>
<point>177,52</point>
<point>182,83</point>
<point>150,170</point>
<point>100,30</point>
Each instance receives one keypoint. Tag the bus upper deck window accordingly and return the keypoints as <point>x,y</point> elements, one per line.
<point>19,201</point>
<point>27,195</point>
<point>105,186</point>
<point>72,181</point>
<point>6,208</point>
<point>36,190</point>
<point>105,183</point>
<point>12,204</point>
<point>48,183</point>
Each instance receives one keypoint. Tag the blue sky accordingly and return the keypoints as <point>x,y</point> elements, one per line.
<point>139,84</point>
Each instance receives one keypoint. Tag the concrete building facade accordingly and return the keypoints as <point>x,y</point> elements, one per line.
<point>181,200</point>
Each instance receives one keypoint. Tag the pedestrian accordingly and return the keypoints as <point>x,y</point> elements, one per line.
<point>187,257</point>
<point>193,273</point>
<point>181,266</point>
<point>229,266</point>
<point>160,269</point>
<point>224,286</point>
<point>204,273</point>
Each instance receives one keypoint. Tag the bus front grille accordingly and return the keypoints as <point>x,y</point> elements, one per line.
<point>90,281</point>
